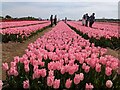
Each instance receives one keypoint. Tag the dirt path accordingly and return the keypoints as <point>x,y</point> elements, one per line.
<point>115,53</point>
<point>12,49</point>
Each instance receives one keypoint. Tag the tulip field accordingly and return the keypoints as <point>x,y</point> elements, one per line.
<point>69,57</point>
<point>19,23</point>
<point>21,33</point>
<point>103,35</point>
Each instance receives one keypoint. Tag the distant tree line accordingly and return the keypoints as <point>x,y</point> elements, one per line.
<point>108,20</point>
<point>10,18</point>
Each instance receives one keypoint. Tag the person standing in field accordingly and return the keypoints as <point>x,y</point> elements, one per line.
<point>51,20</point>
<point>55,20</point>
<point>91,20</point>
<point>83,19</point>
<point>65,19</point>
<point>86,19</point>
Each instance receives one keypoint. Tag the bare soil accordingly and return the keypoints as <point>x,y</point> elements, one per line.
<point>115,53</point>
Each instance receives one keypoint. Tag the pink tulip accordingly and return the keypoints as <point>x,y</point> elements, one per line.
<point>45,56</point>
<point>26,84</point>
<point>39,56</point>
<point>108,63</point>
<point>50,80</point>
<point>89,86</point>
<point>42,64</point>
<point>13,71</point>
<point>35,62</point>
<point>16,59</point>
<point>37,73</point>
<point>114,65</point>
<point>71,62</point>
<point>71,70</point>
<point>81,76</point>
<point>35,68</point>
<point>62,70</point>
<point>26,67</point>
<point>43,72</point>
<point>108,71</point>
<point>51,73</point>
<point>77,79</point>
<point>55,66</point>
<point>81,61</point>
<point>50,66</point>
<point>103,60</point>
<point>93,62</point>
<point>98,67</point>
<point>109,84</point>
<point>5,66</point>
<point>26,62</point>
<point>13,64</point>
<point>21,60</point>
<point>1,84</point>
<point>87,69</point>
<point>83,65</point>
<point>56,84</point>
<point>68,83</point>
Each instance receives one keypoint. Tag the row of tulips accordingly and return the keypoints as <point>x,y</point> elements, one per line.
<point>103,38</point>
<point>19,23</point>
<point>21,33</point>
<point>61,59</point>
<point>111,27</point>
<point>109,23</point>
<point>98,30</point>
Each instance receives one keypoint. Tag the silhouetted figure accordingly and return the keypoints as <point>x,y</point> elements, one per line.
<point>51,20</point>
<point>86,19</point>
<point>65,19</point>
<point>91,20</point>
<point>55,20</point>
<point>83,20</point>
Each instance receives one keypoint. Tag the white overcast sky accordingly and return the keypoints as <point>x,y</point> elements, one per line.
<point>61,8</point>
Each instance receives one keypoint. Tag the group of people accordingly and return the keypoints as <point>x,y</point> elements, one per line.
<point>53,21</point>
<point>86,19</point>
